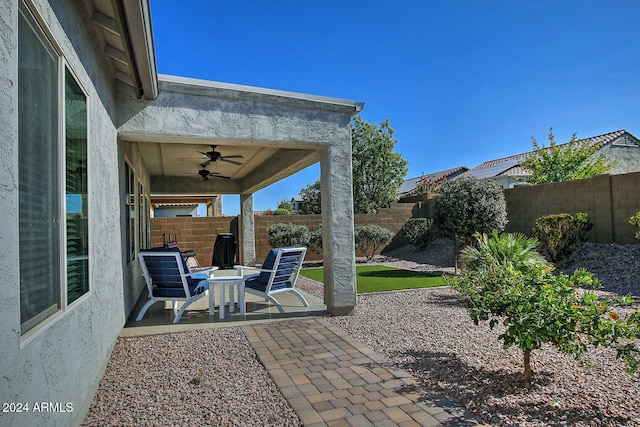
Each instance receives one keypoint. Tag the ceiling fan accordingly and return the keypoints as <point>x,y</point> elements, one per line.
<point>214,156</point>
<point>205,173</point>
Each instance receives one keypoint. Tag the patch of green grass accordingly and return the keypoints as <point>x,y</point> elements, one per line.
<point>378,278</point>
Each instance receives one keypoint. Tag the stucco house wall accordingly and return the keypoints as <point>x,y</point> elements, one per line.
<point>63,359</point>
<point>626,156</point>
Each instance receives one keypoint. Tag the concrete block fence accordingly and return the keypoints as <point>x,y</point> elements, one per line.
<point>610,200</point>
<point>200,233</point>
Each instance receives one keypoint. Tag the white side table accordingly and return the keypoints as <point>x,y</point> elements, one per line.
<point>227,282</point>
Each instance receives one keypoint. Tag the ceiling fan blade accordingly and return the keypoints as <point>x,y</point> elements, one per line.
<point>233,156</point>
<point>229,161</point>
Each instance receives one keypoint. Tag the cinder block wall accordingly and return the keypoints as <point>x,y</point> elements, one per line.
<point>392,218</point>
<point>609,200</point>
<point>200,234</point>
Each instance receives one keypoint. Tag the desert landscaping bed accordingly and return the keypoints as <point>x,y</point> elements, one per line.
<point>423,331</point>
<point>429,334</point>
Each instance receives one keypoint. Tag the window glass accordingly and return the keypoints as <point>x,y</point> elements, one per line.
<point>77,208</point>
<point>38,174</point>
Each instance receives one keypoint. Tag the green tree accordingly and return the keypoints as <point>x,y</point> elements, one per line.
<point>311,202</point>
<point>504,280</point>
<point>378,171</point>
<point>565,162</point>
<point>467,206</point>
<point>286,205</point>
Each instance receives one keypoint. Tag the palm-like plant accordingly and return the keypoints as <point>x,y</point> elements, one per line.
<point>512,251</point>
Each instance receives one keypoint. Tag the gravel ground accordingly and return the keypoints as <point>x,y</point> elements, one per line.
<point>425,332</point>
<point>430,335</point>
<point>196,378</point>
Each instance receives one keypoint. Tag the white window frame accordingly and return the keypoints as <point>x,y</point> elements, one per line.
<point>63,189</point>
<point>131,180</point>
<point>42,321</point>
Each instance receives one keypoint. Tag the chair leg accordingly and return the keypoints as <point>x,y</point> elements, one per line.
<point>145,308</point>
<point>182,309</point>
<point>185,305</point>
<point>300,297</point>
<point>276,303</point>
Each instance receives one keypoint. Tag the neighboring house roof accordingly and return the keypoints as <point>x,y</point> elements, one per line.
<point>409,185</point>
<point>510,166</point>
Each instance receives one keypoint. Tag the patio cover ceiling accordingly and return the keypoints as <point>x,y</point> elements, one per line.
<point>268,134</point>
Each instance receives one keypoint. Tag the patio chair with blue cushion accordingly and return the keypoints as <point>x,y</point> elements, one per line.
<point>168,278</point>
<point>278,274</point>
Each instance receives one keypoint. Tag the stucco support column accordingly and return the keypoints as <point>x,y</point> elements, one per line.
<point>247,231</point>
<point>216,205</point>
<point>337,229</point>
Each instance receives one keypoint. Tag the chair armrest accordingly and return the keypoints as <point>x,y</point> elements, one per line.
<point>206,271</point>
<point>253,270</point>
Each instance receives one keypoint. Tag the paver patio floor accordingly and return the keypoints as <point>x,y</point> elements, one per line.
<point>331,379</point>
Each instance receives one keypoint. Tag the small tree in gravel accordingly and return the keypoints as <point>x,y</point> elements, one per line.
<point>467,206</point>
<point>504,280</point>
<point>369,238</point>
<point>282,235</point>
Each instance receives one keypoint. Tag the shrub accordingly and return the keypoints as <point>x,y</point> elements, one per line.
<point>370,237</point>
<point>560,234</point>
<point>505,281</point>
<point>467,206</point>
<point>635,220</point>
<point>418,231</point>
<point>282,235</point>
<point>282,211</point>
<point>316,237</point>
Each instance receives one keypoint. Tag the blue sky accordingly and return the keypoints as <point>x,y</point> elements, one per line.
<point>462,81</point>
